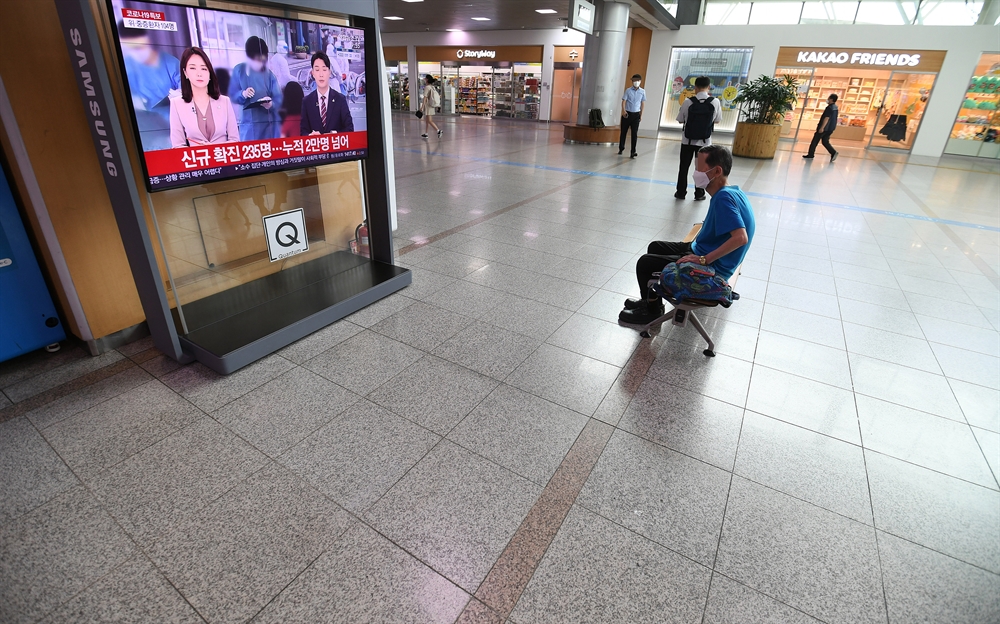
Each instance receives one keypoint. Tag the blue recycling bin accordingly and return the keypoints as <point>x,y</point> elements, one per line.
<point>28,317</point>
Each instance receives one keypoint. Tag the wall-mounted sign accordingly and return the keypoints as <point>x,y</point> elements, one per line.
<point>927,60</point>
<point>476,54</point>
<point>512,54</point>
<point>581,16</point>
<point>568,54</point>
<point>286,234</point>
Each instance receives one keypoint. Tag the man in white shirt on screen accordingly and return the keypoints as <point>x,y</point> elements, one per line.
<point>698,115</point>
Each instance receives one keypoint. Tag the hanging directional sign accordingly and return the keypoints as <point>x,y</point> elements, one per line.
<point>286,234</point>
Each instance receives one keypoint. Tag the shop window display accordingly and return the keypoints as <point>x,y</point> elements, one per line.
<point>977,126</point>
<point>728,68</point>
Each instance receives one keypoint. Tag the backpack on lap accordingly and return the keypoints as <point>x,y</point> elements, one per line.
<point>688,281</point>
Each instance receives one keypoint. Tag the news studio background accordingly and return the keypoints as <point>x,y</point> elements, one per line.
<point>152,38</point>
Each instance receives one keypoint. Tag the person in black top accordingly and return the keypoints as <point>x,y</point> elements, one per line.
<point>827,124</point>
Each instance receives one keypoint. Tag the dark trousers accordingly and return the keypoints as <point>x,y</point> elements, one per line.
<point>632,121</point>
<point>825,138</point>
<point>658,255</point>
<point>687,155</point>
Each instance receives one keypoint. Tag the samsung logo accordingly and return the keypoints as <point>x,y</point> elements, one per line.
<point>93,105</point>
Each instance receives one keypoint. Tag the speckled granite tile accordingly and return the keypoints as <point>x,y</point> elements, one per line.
<point>730,602</point>
<point>282,412</point>
<point>925,586</point>
<point>816,468</point>
<point>357,457</point>
<point>87,397</point>
<point>163,485</point>
<point>366,578</point>
<point>468,299</point>
<point>54,552</point>
<point>113,431</point>
<point>364,362</point>
<point>599,572</point>
<point>134,593</point>
<point>210,390</point>
<point>566,378</point>
<point>488,350</point>
<point>383,308</point>
<point>693,424</point>
<point>980,405</point>
<point>814,560</point>
<point>455,511</point>
<point>237,554</point>
<point>674,500</point>
<point>318,342</point>
<point>39,362</point>
<point>816,406</point>
<point>930,441</point>
<point>32,472</point>
<point>54,377</point>
<point>940,512</point>
<point>723,378</point>
<point>521,432</point>
<point>434,393</point>
<point>422,325</point>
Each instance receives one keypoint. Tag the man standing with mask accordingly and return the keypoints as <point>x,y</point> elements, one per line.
<point>698,115</point>
<point>721,243</point>
<point>633,103</point>
<point>256,89</point>
<point>827,124</point>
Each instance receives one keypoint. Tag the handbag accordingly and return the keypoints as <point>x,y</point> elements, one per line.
<point>419,114</point>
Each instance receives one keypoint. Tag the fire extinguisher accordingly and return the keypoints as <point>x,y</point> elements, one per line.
<point>361,239</point>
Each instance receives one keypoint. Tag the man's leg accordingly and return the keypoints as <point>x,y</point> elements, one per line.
<point>687,152</point>
<point>658,255</point>
<point>624,133</point>
<point>633,121</point>
<point>826,143</point>
<point>812,145</point>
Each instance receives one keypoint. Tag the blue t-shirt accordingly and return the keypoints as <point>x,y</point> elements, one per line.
<point>729,210</point>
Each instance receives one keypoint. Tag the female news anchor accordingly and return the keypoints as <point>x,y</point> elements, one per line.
<point>202,115</point>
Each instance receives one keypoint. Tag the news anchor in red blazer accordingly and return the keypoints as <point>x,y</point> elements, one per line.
<point>202,115</point>
<point>324,110</point>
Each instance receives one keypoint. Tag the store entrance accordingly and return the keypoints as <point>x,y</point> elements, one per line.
<point>898,119</point>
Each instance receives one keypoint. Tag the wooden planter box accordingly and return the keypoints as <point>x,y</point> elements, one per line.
<point>756,140</point>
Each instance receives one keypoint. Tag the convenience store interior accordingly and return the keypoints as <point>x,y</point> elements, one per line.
<point>503,90</point>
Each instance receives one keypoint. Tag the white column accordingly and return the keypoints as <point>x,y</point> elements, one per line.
<point>603,82</point>
<point>545,90</point>
<point>413,69</point>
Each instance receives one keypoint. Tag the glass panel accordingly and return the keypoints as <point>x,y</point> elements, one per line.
<point>977,126</point>
<point>793,118</point>
<point>889,13</point>
<point>829,12</point>
<point>449,89</point>
<point>775,12</point>
<point>902,109</point>
<point>949,13</point>
<point>397,84</point>
<point>503,93</point>
<point>727,67</point>
<point>727,13</point>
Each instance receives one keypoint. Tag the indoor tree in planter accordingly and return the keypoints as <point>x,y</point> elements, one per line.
<point>763,103</point>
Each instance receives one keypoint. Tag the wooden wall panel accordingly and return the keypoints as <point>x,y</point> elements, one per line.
<point>36,71</point>
<point>638,55</point>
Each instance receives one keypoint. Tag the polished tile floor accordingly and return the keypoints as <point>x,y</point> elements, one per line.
<point>490,445</point>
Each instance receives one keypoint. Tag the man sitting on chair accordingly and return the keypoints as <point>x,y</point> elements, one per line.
<point>722,242</point>
<point>324,110</point>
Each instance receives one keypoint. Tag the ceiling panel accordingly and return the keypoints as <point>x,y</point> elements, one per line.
<point>439,15</point>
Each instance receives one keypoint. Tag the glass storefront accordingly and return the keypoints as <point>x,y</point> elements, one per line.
<point>727,67</point>
<point>505,90</point>
<point>399,85</point>
<point>978,124</point>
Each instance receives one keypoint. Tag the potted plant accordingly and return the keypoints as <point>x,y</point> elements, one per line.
<point>763,103</point>
<point>301,52</point>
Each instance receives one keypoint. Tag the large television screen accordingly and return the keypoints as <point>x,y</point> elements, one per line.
<point>222,94</point>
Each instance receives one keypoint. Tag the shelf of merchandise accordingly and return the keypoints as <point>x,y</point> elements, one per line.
<point>503,104</point>
<point>976,130</point>
<point>858,99</point>
<point>526,97</point>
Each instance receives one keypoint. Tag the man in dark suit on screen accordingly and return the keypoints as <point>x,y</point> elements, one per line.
<point>324,110</point>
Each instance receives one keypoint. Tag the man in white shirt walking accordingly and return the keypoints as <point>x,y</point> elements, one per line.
<point>633,102</point>
<point>699,114</point>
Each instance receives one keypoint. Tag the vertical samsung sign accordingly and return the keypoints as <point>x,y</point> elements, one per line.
<point>105,130</point>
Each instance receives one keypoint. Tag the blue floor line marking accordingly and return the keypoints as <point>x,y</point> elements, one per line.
<point>612,176</point>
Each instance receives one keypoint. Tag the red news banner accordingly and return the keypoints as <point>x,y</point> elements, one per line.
<point>186,165</point>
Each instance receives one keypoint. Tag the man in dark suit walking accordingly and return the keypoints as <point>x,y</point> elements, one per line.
<point>324,110</point>
<point>827,124</point>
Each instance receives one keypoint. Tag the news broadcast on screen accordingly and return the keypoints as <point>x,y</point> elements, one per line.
<point>221,94</point>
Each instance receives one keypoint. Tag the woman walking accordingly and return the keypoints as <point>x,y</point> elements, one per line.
<point>431,101</point>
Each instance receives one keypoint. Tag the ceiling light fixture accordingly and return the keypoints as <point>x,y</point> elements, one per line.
<point>413,0</point>
<point>392,17</point>
<point>542,11</point>
<point>480,19</point>
<point>453,29</point>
